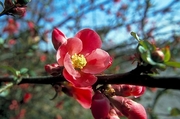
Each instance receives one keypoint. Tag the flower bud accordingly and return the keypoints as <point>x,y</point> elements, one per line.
<point>157,56</point>
<point>19,11</point>
<point>129,108</point>
<point>100,106</point>
<point>53,69</point>
<point>128,90</point>
<point>58,38</point>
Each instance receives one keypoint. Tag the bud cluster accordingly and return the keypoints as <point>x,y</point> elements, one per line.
<point>114,106</point>
<point>15,7</point>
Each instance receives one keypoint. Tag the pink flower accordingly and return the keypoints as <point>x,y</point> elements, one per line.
<point>83,95</point>
<point>81,56</point>
<point>129,108</point>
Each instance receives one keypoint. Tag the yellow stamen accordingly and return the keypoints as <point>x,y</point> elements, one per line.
<point>78,61</point>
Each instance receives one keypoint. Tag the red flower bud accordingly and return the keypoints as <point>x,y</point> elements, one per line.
<point>53,69</point>
<point>157,56</point>
<point>100,106</point>
<point>58,38</point>
<point>19,11</point>
<point>129,108</point>
<point>27,97</point>
<point>128,90</point>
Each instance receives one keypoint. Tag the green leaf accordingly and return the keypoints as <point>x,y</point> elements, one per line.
<point>23,70</point>
<point>11,69</point>
<point>173,64</point>
<point>167,54</point>
<point>135,36</point>
<point>175,112</point>
<point>147,45</point>
<point>141,49</point>
<point>145,55</point>
<point>1,41</point>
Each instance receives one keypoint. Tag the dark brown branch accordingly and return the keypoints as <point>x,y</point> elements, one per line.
<point>126,78</point>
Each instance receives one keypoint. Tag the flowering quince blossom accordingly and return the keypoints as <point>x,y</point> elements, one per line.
<point>79,59</point>
<point>81,56</point>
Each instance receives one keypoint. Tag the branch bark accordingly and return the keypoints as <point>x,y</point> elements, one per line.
<point>125,78</point>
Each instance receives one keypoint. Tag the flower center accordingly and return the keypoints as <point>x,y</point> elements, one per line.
<point>78,61</point>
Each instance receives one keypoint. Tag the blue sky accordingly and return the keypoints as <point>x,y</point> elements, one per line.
<point>118,35</point>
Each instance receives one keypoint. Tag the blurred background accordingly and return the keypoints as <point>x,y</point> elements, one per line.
<point>25,44</point>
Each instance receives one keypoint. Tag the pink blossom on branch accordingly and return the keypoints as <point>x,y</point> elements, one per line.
<point>81,56</point>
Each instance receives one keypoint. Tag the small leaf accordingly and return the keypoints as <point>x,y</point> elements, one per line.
<point>147,45</point>
<point>141,49</point>
<point>23,70</point>
<point>175,112</point>
<point>135,36</point>
<point>173,64</point>
<point>167,53</point>
<point>11,69</point>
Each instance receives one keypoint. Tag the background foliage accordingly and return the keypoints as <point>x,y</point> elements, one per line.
<point>25,44</point>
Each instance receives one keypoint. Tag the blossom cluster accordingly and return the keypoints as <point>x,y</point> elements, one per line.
<point>15,7</point>
<point>79,60</point>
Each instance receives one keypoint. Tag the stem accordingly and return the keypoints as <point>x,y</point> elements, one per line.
<point>9,85</point>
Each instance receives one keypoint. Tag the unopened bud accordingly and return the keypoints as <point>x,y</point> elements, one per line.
<point>157,56</point>
<point>58,38</point>
<point>128,107</point>
<point>19,11</point>
<point>100,106</point>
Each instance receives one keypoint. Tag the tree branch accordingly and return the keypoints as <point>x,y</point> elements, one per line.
<point>125,78</point>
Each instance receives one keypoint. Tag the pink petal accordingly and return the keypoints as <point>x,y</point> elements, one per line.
<point>97,62</point>
<point>72,46</point>
<point>83,81</point>
<point>138,91</point>
<point>58,38</point>
<point>61,52</point>
<point>83,96</point>
<point>69,67</point>
<point>90,40</point>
